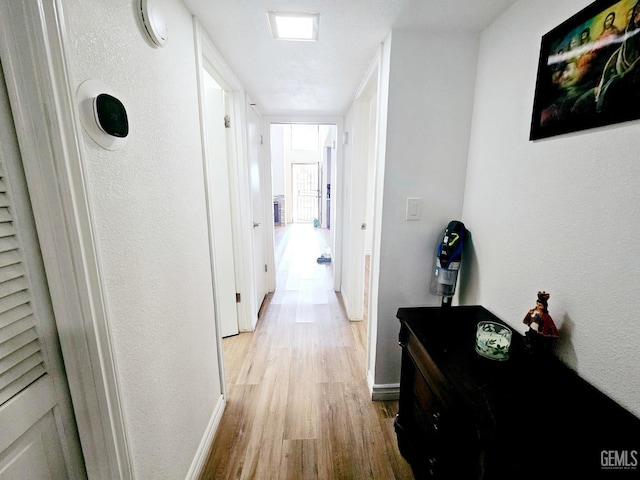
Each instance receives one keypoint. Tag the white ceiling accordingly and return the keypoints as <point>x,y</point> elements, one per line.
<point>321,78</point>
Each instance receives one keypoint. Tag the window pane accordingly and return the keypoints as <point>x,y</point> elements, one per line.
<point>304,137</point>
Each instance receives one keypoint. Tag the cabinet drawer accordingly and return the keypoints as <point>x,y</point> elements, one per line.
<point>426,408</point>
<point>428,369</point>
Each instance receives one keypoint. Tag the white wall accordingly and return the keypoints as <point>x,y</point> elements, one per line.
<point>277,159</point>
<point>559,214</point>
<point>431,88</point>
<point>149,212</point>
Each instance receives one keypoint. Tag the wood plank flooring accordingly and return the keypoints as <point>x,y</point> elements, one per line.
<point>298,405</point>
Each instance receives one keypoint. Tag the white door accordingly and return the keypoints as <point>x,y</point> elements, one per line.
<point>219,197</point>
<point>255,177</point>
<point>38,434</point>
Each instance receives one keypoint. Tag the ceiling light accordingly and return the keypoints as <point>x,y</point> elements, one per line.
<point>294,26</point>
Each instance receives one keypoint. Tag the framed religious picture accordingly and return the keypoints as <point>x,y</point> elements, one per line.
<point>589,70</point>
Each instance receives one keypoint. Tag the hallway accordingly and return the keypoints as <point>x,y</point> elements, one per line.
<point>298,406</point>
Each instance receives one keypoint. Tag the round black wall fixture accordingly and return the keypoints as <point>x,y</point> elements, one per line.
<point>103,115</point>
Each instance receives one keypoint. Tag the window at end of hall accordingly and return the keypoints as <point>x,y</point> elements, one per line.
<point>304,137</point>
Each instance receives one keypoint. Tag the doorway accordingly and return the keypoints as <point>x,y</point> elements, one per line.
<point>305,185</point>
<point>215,113</point>
<point>303,166</point>
<point>302,162</point>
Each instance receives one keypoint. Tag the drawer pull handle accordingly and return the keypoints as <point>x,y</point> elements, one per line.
<point>436,420</point>
<point>432,464</point>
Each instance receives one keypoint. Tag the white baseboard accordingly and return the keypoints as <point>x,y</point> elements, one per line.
<point>345,299</point>
<point>347,308</point>
<point>207,440</point>
<point>386,392</point>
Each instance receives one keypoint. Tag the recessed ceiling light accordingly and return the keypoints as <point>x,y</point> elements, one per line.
<point>294,26</point>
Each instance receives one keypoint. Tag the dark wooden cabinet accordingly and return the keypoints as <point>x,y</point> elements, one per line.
<point>463,416</point>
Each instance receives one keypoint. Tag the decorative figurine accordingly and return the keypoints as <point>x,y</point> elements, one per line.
<point>542,331</point>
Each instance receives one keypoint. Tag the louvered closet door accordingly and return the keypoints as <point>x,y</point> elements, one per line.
<point>38,437</point>
<point>21,361</point>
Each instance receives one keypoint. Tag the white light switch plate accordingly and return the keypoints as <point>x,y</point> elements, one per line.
<point>414,208</point>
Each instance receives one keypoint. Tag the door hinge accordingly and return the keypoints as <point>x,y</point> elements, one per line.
<point>265,268</point>
<point>238,298</point>
<point>227,121</point>
<point>261,140</point>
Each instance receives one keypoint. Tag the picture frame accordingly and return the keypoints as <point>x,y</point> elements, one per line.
<point>589,70</point>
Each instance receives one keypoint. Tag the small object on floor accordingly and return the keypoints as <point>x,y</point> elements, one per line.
<point>324,258</point>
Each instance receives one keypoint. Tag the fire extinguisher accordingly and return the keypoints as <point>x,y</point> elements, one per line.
<point>447,262</point>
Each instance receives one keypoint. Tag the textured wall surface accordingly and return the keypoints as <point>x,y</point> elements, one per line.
<point>559,214</point>
<point>149,212</point>
<point>429,121</point>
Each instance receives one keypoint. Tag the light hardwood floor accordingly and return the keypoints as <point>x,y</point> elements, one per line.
<point>298,405</point>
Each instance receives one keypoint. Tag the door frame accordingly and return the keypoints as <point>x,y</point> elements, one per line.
<point>204,56</point>
<point>48,128</point>
<point>336,190</point>
<point>216,166</point>
<point>238,178</point>
<point>361,163</point>
<point>265,243</point>
<point>378,75</point>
